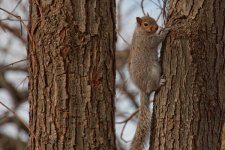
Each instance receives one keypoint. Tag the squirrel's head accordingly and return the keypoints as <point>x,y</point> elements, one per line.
<point>147,23</point>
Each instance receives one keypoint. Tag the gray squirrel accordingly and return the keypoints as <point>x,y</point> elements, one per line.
<point>145,72</point>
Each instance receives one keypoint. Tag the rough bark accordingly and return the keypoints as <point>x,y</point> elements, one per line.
<point>189,110</point>
<point>71,74</point>
<point>223,138</point>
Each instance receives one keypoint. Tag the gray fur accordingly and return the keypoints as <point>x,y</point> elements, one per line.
<point>145,72</point>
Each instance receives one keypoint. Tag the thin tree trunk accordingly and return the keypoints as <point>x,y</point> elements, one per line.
<point>71,74</point>
<point>189,110</point>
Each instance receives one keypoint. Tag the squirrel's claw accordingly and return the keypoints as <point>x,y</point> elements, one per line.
<point>162,81</point>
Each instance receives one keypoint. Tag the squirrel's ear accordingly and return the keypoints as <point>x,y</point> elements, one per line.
<point>148,15</point>
<point>139,20</point>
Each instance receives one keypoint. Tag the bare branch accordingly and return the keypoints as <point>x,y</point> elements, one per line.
<point>16,95</point>
<point>125,41</point>
<point>125,124</point>
<point>18,117</point>
<point>18,3</point>
<point>9,65</point>
<point>22,22</point>
<point>14,31</point>
<point>129,118</point>
<point>142,7</point>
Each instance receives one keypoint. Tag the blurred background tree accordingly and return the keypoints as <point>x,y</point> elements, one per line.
<point>13,77</point>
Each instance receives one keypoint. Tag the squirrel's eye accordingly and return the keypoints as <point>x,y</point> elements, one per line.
<point>145,24</point>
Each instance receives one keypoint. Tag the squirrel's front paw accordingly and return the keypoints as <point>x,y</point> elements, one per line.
<point>165,30</point>
<point>162,81</point>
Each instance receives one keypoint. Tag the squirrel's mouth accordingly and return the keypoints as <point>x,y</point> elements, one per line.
<point>152,29</point>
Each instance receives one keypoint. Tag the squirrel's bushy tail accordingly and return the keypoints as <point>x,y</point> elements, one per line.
<point>143,129</point>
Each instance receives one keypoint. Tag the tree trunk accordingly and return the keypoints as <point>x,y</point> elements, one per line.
<point>189,110</point>
<point>223,138</point>
<point>71,74</point>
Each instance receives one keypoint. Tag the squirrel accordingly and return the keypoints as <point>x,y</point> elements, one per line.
<point>145,72</point>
